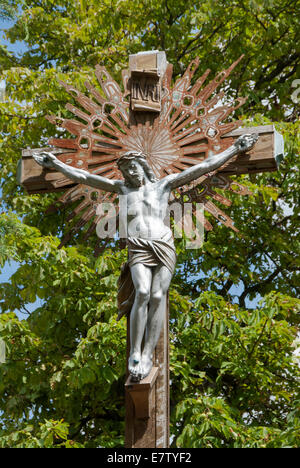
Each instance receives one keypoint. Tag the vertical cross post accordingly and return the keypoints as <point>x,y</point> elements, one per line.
<point>147,402</point>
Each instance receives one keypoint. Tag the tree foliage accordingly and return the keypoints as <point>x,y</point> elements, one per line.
<point>234,368</point>
<point>7,9</point>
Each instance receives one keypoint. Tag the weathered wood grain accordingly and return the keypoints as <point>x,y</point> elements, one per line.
<point>260,159</point>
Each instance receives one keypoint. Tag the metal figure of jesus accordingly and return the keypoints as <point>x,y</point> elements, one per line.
<point>151,253</point>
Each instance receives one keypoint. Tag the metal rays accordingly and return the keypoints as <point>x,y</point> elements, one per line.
<point>188,129</point>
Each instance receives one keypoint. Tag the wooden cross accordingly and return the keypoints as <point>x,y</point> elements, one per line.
<point>175,127</point>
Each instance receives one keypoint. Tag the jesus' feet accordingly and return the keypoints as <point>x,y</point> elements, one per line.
<point>134,366</point>
<point>146,365</point>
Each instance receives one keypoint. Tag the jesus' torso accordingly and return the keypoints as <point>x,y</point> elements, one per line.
<point>146,209</point>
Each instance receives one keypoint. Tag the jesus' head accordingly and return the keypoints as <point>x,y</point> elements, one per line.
<point>135,169</point>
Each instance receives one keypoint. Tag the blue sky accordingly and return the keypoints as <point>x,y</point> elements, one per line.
<point>8,270</point>
<point>18,46</point>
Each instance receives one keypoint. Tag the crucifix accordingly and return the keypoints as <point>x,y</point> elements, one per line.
<point>142,144</point>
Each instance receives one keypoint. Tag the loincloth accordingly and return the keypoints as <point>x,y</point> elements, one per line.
<point>148,252</point>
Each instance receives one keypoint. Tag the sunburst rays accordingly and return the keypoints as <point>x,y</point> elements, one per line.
<point>189,128</point>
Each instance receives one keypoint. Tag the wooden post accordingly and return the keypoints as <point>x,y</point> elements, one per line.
<point>162,387</point>
<point>145,81</point>
<point>151,431</point>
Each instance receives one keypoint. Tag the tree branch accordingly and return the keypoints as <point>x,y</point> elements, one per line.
<point>283,62</point>
<point>257,287</point>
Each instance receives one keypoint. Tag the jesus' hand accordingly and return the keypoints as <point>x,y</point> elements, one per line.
<point>45,159</point>
<point>246,142</point>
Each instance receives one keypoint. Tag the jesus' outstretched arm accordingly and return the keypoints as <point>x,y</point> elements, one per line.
<point>49,161</point>
<point>242,144</point>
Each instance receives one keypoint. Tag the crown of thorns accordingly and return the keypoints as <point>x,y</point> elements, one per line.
<point>129,156</point>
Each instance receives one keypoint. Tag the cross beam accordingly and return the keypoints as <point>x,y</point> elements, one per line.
<point>264,157</point>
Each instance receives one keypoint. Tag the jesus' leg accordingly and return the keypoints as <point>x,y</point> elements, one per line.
<point>161,279</point>
<point>142,279</point>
